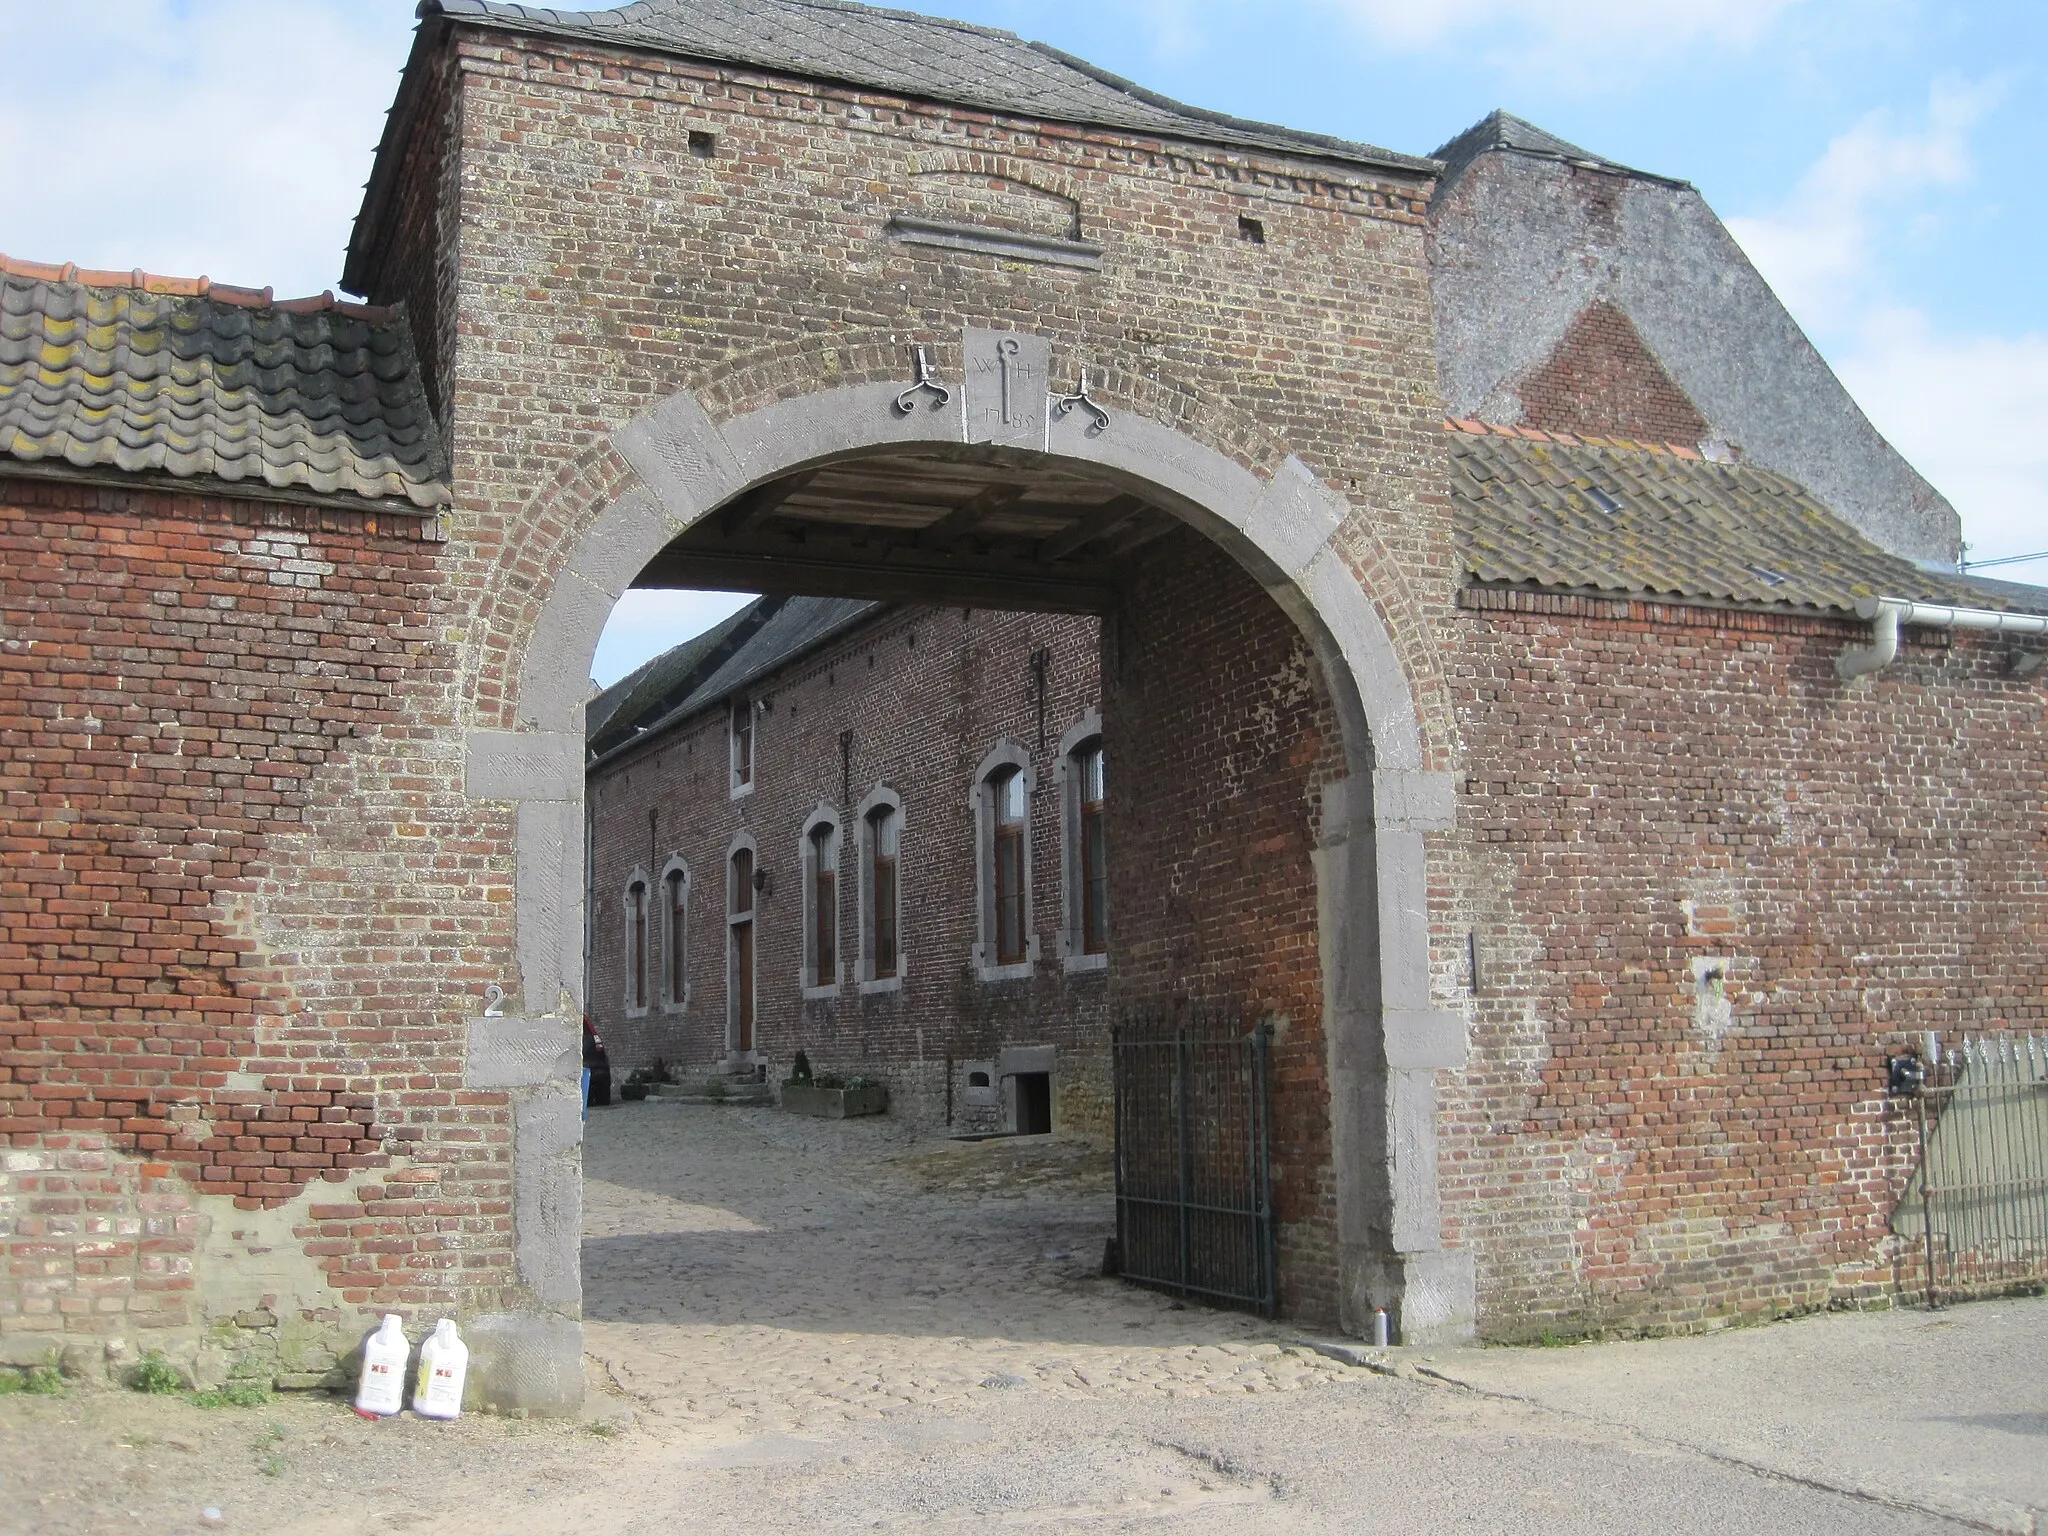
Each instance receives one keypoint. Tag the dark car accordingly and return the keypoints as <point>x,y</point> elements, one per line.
<point>597,1063</point>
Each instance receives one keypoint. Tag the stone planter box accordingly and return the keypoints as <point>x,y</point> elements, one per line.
<point>835,1103</point>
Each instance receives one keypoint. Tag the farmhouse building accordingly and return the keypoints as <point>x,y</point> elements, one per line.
<point>1484,695</point>
<point>873,834</point>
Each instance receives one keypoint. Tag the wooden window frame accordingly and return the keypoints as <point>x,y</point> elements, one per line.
<point>1004,867</point>
<point>742,952</point>
<point>743,744</point>
<point>675,935</point>
<point>882,966</point>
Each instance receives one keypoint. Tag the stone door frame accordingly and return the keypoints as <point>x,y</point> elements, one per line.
<point>1387,1037</point>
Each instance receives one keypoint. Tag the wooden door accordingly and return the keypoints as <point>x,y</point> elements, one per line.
<point>743,986</point>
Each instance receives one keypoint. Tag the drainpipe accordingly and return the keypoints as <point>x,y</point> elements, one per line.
<point>1886,614</point>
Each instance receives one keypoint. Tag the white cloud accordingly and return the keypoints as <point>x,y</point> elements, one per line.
<point>1823,249</point>
<point>223,137</point>
<point>1956,405</point>
<point>1660,26</point>
<point>647,623</point>
<point>1966,410</point>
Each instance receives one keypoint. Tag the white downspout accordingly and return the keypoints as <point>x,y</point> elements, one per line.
<point>1886,614</point>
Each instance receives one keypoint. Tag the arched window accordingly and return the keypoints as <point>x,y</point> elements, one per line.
<point>1010,805</point>
<point>878,863</point>
<point>821,901</point>
<point>636,945</point>
<point>1006,946</point>
<point>1084,848</point>
<point>883,837</point>
<point>1091,851</point>
<point>675,936</point>
<point>739,951</point>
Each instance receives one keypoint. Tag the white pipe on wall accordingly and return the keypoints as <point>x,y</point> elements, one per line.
<point>1886,614</point>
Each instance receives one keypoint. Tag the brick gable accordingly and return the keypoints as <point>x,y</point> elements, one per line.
<point>1601,381</point>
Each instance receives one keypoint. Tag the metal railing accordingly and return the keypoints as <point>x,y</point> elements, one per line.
<point>1977,1204</point>
<point>1194,1208</point>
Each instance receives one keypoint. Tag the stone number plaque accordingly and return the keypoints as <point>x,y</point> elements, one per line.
<point>1007,375</point>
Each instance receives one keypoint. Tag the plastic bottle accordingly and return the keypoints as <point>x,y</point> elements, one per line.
<point>381,1392</point>
<point>444,1362</point>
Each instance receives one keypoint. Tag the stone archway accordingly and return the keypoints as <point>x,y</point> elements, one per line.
<point>1387,1038</point>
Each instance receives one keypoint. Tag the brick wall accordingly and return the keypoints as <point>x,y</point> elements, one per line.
<point>1600,380</point>
<point>1224,736</point>
<point>927,693</point>
<point>1711,888</point>
<point>241,917</point>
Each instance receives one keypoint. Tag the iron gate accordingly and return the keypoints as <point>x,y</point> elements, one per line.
<point>1978,1203</point>
<point>1194,1208</point>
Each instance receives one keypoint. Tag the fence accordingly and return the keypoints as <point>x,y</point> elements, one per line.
<point>1194,1211</point>
<point>1977,1205</point>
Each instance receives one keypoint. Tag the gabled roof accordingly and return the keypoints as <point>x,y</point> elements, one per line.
<point>735,656</point>
<point>1589,514</point>
<point>180,377</point>
<point>656,687</point>
<point>1503,131</point>
<point>924,57</point>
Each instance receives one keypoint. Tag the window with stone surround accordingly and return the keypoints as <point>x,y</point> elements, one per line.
<point>1084,849</point>
<point>820,857</point>
<point>739,948</point>
<point>1007,946</point>
<point>741,736</point>
<point>636,944</point>
<point>675,932</point>
<point>881,890</point>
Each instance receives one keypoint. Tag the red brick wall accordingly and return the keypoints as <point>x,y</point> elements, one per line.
<point>1221,734</point>
<point>417,239</point>
<point>1601,381</point>
<point>927,693</point>
<point>240,899</point>
<point>1651,786</point>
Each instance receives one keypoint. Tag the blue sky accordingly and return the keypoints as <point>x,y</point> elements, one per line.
<point>1879,159</point>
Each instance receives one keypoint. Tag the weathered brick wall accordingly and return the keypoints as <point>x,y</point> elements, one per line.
<point>1711,887</point>
<point>415,238</point>
<point>243,913</point>
<point>1224,736</point>
<point>1601,381</point>
<point>604,266</point>
<point>927,693</point>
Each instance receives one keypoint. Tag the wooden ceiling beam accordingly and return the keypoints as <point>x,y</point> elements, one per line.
<point>763,502</point>
<point>812,574</point>
<point>968,513</point>
<point>1095,523</point>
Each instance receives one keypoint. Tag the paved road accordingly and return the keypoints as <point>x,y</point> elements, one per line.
<point>816,1327</point>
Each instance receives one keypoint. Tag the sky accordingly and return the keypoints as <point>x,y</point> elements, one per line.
<point>1878,159</point>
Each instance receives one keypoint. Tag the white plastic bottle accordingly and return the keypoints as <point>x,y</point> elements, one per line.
<point>381,1392</point>
<point>444,1362</point>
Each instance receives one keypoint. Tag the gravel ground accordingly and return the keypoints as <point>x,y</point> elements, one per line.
<point>811,1324</point>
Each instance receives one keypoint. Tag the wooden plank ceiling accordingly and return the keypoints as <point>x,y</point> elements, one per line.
<point>986,528</point>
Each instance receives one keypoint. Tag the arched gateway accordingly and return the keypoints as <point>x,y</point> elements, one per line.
<point>1385,1037</point>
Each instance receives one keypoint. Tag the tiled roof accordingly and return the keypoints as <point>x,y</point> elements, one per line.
<point>181,377</point>
<point>924,57</point>
<point>654,689</point>
<point>1504,131</point>
<point>1590,514</point>
<point>750,646</point>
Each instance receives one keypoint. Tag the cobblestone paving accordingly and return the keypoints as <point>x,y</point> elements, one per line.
<point>747,1271</point>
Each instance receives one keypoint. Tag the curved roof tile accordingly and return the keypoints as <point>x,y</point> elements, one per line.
<point>169,376</point>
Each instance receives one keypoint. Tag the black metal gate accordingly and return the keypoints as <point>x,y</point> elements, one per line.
<point>1194,1209</point>
<point>1977,1205</point>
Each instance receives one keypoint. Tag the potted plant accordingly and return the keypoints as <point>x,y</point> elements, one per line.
<point>830,1096</point>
